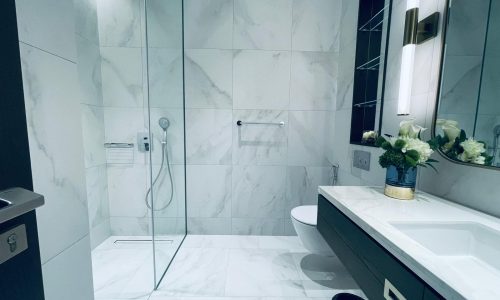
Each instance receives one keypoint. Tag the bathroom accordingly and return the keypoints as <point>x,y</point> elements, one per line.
<point>179,149</point>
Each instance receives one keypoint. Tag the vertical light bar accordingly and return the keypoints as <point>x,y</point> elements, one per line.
<point>408,57</point>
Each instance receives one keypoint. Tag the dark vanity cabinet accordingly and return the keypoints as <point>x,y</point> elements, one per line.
<point>379,274</point>
<point>21,273</point>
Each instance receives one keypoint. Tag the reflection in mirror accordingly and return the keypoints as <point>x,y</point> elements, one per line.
<point>468,112</point>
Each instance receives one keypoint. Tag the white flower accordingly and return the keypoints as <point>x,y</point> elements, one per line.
<point>369,135</point>
<point>451,131</point>
<point>441,122</point>
<point>409,129</point>
<point>423,148</point>
<point>480,160</point>
<point>472,151</point>
<point>392,140</point>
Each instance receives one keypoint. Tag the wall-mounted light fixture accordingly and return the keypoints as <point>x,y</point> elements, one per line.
<point>414,33</point>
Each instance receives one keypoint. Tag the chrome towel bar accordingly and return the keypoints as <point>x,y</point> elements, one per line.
<point>239,123</point>
<point>118,145</point>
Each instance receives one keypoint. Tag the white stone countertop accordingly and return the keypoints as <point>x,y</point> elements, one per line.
<point>374,212</point>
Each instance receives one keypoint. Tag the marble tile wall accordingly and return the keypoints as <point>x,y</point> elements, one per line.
<point>266,61</point>
<point>52,99</point>
<point>90,82</point>
<point>462,184</point>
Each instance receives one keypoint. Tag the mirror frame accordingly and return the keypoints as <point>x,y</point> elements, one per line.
<point>438,91</point>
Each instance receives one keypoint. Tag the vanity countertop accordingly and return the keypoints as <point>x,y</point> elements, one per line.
<point>375,213</point>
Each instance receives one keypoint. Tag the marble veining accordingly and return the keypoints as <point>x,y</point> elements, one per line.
<point>208,136</point>
<point>373,212</point>
<point>302,185</point>
<point>313,83</point>
<point>209,78</point>
<point>208,24</point>
<point>210,196</point>
<point>93,135</point>
<point>119,23</point>
<point>306,141</point>
<point>165,78</point>
<point>315,25</point>
<point>258,60</point>
<point>164,23</point>
<point>258,191</point>
<point>261,79</point>
<point>252,268</point>
<point>257,25</point>
<point>51,89</point>
<point>122,76</point>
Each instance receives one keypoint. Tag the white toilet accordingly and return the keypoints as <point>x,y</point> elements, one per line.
<point>304,221</point>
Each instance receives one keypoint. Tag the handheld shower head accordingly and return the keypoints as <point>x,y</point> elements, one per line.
<point>164,123</point>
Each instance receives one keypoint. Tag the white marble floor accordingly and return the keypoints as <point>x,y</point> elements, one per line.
<point>223,268</point>
<point>122,266</point>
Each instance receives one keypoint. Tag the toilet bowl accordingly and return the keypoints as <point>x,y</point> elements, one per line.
<point>304,219</point>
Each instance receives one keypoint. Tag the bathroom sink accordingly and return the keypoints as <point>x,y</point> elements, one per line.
<point>469,246</point>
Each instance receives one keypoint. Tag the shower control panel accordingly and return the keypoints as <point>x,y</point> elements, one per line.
<point>143,141</point>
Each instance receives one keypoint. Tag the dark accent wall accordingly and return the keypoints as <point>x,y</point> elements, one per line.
<point>15,167</point>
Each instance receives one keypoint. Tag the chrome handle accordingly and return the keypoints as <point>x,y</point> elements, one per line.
<point>239,123</point>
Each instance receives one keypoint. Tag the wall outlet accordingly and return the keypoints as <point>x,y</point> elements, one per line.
<point>361,160</point>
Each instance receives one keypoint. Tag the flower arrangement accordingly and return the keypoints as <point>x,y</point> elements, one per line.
<point>402,156</point>
<point>455,144</point>
<point>407,150</point>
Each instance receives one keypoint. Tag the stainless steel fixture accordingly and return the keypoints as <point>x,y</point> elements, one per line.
<point>240,123</point>
<point>164,123</point>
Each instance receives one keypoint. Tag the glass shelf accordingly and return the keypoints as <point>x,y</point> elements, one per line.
<point>375,22</point>
<point>371,65</point>
<point>367,103</point>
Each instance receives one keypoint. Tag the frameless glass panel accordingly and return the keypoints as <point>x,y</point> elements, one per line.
<point>164,54</point>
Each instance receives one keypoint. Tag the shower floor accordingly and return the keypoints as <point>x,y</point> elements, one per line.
<point>123,265</point>
<point>211,267</point>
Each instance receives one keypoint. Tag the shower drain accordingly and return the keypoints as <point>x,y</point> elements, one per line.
<point>142,241</point>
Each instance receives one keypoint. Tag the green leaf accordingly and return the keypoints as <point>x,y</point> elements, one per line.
<point>410,161</point>
<point>462,136</point>
<point>399,144</point>
<point>380,140</point>
<point>413,154</point>
<point>386,146</point>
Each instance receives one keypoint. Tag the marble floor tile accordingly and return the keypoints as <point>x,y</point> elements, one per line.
<point>123,266</point>
<point>258,272</point>
<point>196,272</point>
<point>229,267</point>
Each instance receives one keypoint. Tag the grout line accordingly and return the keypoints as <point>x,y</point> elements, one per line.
<point>46,51</point>
<point>67,248</point>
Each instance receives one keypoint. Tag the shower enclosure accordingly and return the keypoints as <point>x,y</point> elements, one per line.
<point>130,65</point>
<point>163,58</point>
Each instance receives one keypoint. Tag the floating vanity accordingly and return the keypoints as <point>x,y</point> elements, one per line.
<point>427,248</point>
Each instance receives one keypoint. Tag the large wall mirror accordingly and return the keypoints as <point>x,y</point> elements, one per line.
<point>467,121</point>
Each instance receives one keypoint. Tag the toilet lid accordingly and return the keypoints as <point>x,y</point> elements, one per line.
<point>306,214</point>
